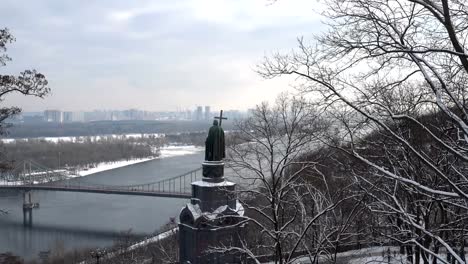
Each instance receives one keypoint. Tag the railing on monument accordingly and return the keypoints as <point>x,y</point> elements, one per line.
<point>180,184</point>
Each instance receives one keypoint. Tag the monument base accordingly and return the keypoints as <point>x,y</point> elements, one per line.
<point>201,243</point>
<point>213,171</point>
<point>212,219</point>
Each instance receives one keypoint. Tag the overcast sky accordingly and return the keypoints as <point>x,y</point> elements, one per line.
<point>152,55</point>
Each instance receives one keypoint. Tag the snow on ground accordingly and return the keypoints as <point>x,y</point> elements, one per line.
<point>143,243</point>
<point>166,152</point>
<point>360,256</point>
<point>10,183</point>
<point>398,259</point>
<point>174,150</point>
<point>104,166</point>
<point>372,255</point>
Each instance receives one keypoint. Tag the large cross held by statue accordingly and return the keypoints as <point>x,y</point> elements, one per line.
<point>220,117</point>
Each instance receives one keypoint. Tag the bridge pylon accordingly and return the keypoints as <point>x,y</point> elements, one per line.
<point>28,207</point>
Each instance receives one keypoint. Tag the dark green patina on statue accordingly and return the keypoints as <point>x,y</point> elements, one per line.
<point>214,144</point>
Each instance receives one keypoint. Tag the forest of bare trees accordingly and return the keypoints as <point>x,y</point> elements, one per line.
<point>86,151</point>
<point>390,75</point>
<point>293,208</point>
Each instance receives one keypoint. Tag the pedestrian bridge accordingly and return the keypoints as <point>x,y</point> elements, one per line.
<point>175,187</point>
<point>30,176</point>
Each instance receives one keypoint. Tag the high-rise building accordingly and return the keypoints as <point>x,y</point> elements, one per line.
<point>233,114</point>
<point>55,116</point>
<point>207,112</point>
<point>67,117</point>
<point>78,116</point>
<point>199,113</point>
<point>188,115</point>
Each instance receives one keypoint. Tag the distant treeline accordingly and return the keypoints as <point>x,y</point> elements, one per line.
<point>86,151</point>
<point>108,127</point>
<point>193,138</point>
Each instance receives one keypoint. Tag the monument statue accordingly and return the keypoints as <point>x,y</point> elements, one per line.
<point>214,217</point>
<point>214,144</point>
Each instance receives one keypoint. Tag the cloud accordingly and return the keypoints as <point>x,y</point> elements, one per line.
<point>253,14</point>
<point>152,55</point>
<point>236,14</point>
<point>144,8</point>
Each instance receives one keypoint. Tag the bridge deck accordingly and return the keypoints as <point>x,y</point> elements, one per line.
<point>175,187</point>
<point>107,190</point>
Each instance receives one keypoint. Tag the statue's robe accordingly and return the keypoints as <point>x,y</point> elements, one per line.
<point>214,144</point>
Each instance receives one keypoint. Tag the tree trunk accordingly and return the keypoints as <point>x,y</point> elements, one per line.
<point>409,254</point>
<point>436,251</point>
<point>417,255</point>
<point>402,246</point>
<point>462,249</point>
<point>278,253</point>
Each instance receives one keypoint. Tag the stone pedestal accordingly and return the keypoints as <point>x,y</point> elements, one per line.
<point>213,171</point>
<point>210,219</point>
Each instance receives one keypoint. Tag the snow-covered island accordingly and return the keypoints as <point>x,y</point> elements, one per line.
<point>83,156</point>
<point>165,152</point>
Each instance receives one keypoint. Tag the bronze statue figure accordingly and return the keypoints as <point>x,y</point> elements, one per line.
<point>214,144</point>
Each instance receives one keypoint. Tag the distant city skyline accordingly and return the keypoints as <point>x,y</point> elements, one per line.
<point>59,116</point>
<point>176,109</point>
<point>153,55</point>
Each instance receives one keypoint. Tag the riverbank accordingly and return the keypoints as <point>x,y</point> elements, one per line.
<point>105,166</point>
<point>165,152</point>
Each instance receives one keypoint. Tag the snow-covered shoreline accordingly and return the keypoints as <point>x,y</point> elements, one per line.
<point>165,152</point>
<point>105,166</point>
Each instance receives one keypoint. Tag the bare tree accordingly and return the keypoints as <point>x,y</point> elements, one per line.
<point>29,82</point>
<point>284,208</point>
<point>167,250</point>
<point>161,248</point>
<point>393,74</point>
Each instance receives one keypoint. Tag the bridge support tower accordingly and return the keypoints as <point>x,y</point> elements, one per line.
<point>28,207</point>
<point>211,220</point>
